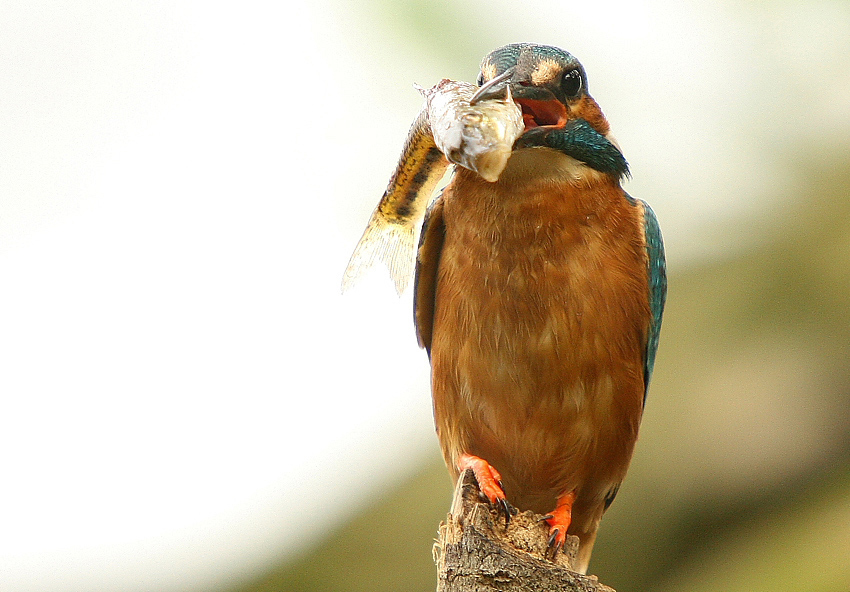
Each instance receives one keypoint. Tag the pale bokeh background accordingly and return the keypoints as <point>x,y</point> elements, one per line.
<point>187,400</point>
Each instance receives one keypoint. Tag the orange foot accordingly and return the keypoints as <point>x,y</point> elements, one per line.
<point>489,482</point>
<point>559,521</point>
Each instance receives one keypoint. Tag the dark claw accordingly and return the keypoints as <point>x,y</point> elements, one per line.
<point>546,517</point>
<point>506,507</point>
<point>552,545</point>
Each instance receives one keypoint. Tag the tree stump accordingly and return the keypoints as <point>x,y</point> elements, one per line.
<point>477,553</point>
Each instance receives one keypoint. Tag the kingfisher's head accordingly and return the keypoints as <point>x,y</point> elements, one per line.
<point>548,83</point>
<point>550,86</point>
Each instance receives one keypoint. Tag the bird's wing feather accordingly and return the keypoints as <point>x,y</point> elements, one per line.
<point>427,264</point>
<point>657,268</point>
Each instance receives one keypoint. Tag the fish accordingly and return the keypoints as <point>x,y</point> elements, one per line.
<point>476,135</point>
<point>451,128</point>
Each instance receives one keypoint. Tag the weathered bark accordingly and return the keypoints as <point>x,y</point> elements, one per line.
<point>476,553</point>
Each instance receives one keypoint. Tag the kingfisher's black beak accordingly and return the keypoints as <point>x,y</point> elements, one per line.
<point>540,107</point>
<point>497,88</point>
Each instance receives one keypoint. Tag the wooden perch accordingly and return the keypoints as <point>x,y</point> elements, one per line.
<point>476,553</point>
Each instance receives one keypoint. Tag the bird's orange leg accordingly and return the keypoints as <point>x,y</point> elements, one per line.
<point>559,520</point>
<point>489,482</point>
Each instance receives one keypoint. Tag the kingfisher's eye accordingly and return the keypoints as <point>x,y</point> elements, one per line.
<point>481,79</point>
<point>571,84</point>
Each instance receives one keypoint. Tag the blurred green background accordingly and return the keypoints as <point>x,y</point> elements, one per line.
<point>741,480</point>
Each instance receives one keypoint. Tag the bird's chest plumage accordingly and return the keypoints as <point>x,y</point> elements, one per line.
<point>540,326</point>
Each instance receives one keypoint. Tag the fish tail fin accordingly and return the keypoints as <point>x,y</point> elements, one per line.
<point>384,240</point>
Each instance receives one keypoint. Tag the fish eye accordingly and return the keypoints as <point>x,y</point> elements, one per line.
<point>571,83</point>
<point>480,78</point>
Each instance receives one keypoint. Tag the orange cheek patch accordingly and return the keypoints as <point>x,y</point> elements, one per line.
<point>590,111</point>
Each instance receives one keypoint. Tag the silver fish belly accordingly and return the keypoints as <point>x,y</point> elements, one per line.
<point>478,137</point>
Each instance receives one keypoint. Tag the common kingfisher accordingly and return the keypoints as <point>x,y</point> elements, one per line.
<point>539,300</point>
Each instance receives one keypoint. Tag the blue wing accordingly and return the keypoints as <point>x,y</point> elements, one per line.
<point>657,268</point>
